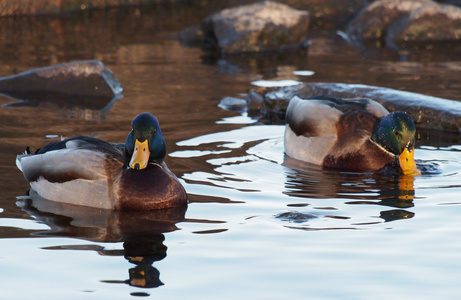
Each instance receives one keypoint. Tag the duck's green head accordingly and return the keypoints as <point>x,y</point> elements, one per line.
<point>396,133</point>
<point>145,142</point>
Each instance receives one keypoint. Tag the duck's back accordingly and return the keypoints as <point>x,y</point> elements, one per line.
<point>71,171</point>
<point>327,127</point>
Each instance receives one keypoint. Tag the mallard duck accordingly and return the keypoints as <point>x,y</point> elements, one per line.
<point>91,172</point>
<point>350,134</point>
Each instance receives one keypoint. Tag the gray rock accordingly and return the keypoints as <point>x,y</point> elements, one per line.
<point>251,28</point>
<point>428,112</point>
<point>430,23</point>
<point>255,102</point>
<point>296,217</point>
<point>81,89</point>
<point>402,21</point>
<point>372,22</point>
<point>234,104</point>
<point>87,77</point>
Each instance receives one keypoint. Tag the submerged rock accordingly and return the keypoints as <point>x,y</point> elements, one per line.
<point>295,217</point>
<point>428,112</point>
<point>83,89</point>
<point>403,21</point>
<point>250,28</point>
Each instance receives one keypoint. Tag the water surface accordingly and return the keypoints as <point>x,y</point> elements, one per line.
<point>258,226</point>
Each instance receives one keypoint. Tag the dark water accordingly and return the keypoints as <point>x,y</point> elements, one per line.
<point>258,226</point>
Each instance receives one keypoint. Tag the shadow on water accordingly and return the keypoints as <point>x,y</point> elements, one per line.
<point>141,233</point>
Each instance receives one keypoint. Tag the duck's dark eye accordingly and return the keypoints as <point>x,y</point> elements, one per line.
<point>397,134</point>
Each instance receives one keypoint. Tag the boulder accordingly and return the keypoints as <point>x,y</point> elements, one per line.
<point>428,112</point>
<point>403,21</point>
<point>430,23</point>
<point>82,89</point>
<point>256,27</point>
<point>331,14</point>
<point>88,77</point>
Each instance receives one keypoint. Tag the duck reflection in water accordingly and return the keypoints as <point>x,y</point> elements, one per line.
<point>390,190</point>
<point>140,231</point>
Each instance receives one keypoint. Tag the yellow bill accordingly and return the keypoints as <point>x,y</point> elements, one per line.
<point>140,156</point>
<point>407,162</point>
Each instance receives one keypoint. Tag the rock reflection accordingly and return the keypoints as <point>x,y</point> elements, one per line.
<point>141,233</point>
<point>88,108</point>
<point>270,65</point>
<point>310,181</point>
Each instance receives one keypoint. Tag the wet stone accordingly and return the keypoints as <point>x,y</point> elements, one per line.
<point>88,77</point>
<point>295,216</point>
<point>396,22</point>
<point>80,89</point>
<point>234,104</point>
<point>256,27</point>
<point>255,102</point>
<point>428,112</point>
